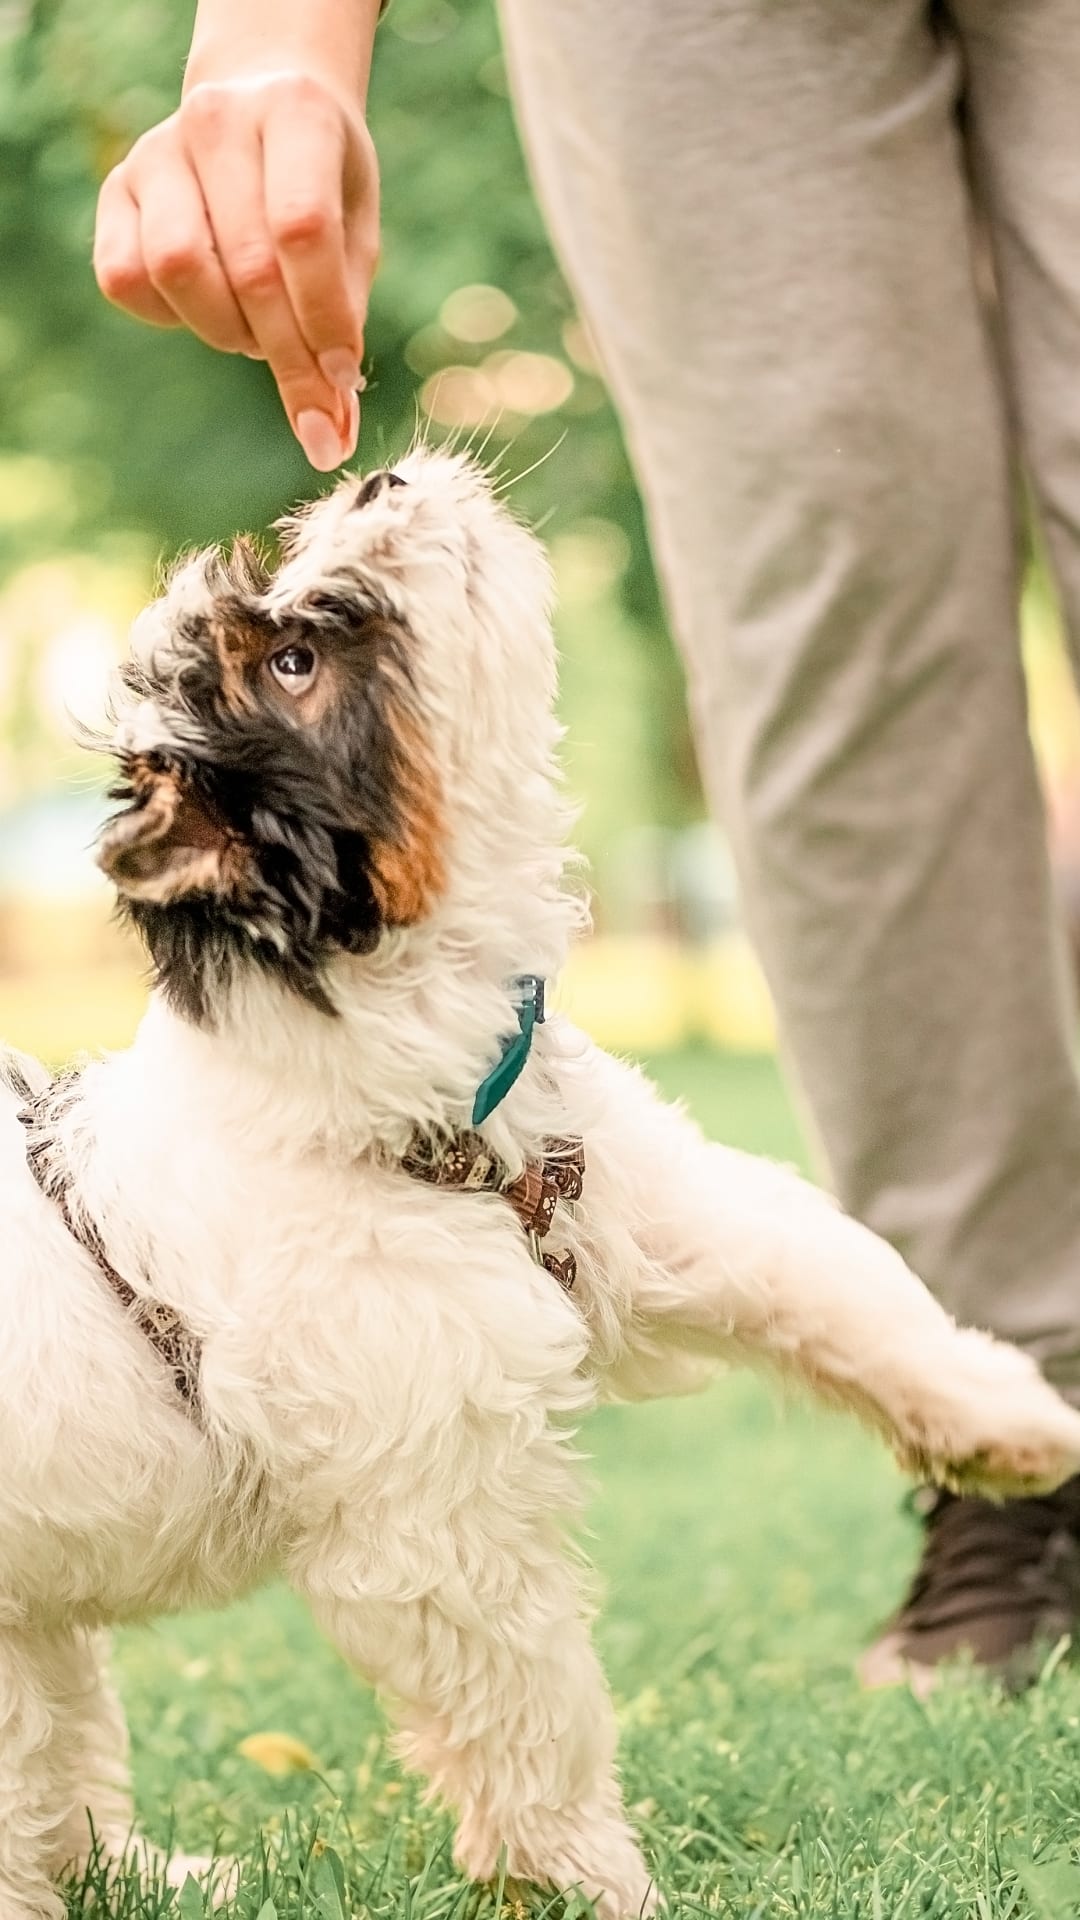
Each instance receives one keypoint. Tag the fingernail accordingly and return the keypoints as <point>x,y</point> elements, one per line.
<point>319,438</point>
<point>341,368</point>
<point>352,428</point>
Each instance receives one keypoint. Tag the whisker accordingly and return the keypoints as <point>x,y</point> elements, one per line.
<point>508,446</point>
<point>434,401</point>
<point>417,439</point>
<point>485,442</point>
<point>467,447</point>
<point>518,477</point>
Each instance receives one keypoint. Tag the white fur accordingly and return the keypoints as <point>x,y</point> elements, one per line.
<point>388,1376</point>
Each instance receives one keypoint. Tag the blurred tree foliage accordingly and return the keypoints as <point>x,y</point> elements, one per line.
<point>108,427</point>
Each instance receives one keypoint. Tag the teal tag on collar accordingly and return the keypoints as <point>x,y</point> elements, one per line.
<point>527,990</point>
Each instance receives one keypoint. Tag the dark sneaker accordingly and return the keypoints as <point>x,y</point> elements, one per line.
<point>999,1584</point>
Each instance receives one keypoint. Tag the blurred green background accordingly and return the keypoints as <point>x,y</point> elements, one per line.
<point>119,445</point>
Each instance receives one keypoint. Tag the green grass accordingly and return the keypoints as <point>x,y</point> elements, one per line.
<point>745,1552</point>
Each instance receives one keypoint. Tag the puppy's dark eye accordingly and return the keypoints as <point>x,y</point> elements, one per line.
<point>294,668</point>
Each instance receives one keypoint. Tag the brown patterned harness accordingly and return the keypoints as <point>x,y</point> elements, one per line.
<point>462,1162</point>
<point>176,1346</point>
<point>467,1163</point>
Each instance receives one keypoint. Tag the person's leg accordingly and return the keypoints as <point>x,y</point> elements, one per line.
<point>1022,83</point>
<point>764,212</point>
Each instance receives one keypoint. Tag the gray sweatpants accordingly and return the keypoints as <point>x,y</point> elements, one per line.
<point>765,208</point>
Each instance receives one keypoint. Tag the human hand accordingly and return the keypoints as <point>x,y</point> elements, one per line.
<point>251,216</point>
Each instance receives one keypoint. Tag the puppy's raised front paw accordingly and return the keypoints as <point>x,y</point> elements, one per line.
<point>999,1428</point>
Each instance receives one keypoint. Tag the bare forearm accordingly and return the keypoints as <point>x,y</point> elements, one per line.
<point>330,38</point>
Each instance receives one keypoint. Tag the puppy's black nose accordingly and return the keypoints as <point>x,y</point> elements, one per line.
<point>376,483</point>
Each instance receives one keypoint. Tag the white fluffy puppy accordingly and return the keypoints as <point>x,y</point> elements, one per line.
<point>268,1304</point>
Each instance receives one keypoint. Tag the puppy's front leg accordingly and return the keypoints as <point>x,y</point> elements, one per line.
<point>745,1259</point>
<point>482,1651</point>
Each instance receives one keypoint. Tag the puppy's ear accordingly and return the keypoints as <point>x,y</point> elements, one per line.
<point>167,843</point>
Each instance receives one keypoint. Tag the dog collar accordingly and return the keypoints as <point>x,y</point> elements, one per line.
<point>527,994</point>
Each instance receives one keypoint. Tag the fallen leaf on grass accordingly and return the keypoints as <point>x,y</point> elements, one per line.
<point>277,1753</point>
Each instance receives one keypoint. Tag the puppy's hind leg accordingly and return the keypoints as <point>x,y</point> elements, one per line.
<point>100,1816</point>
<point>99,1827</point>
<point>39,1687</point>
<point>744,1259</point>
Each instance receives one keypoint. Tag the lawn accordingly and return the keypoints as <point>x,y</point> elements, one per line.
<point>746,1551</point>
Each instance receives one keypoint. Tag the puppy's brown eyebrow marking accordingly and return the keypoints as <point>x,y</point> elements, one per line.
<point>240,644</point>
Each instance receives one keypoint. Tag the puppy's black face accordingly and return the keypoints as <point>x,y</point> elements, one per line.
<point>281,799</point>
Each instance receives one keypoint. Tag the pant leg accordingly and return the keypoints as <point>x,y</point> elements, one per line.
<point>1022,79</point>
<point>763,210</point>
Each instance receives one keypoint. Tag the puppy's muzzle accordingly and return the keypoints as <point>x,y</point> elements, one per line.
<point>169,840</point>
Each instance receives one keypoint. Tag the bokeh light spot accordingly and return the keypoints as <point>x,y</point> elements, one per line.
<point>459,397</point>
<point>477,314</point>
<point>581,347</point>
<point>529,383</point>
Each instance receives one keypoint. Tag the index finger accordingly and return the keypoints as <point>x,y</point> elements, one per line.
<point>304,163</point>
